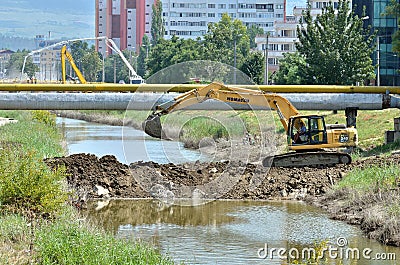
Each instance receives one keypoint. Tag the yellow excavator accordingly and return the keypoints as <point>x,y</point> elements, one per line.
<point>66,54</point>
<point>309,147</point>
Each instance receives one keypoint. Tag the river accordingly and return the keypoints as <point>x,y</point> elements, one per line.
<point>219,232</point>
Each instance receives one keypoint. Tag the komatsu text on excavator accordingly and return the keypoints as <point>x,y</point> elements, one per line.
<point>307,135</point>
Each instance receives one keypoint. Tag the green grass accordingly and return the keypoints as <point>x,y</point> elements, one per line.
<point>367,179</point>
<point>27,135</point>
<point>72,242</point>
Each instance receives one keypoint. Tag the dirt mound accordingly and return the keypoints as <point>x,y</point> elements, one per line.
<point>106,177</point>
<point>87,173</point>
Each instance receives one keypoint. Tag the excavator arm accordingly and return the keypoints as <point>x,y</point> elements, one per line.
<point>66,54</point>
<point>218,91</point>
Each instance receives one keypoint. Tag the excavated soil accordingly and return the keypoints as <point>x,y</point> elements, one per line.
<point>97,177</point>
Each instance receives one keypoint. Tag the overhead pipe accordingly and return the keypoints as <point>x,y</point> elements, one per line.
<point>107,87</point>
<point>145,101</point>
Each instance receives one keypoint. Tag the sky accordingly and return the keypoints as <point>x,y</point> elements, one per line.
<point>63,18</point>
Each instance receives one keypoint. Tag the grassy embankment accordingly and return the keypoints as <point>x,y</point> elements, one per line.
<point>371,125</point>
<point>369,197</point>
<point>37,226</point>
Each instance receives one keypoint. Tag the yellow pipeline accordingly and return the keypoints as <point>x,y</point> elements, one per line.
<point>186,87</point>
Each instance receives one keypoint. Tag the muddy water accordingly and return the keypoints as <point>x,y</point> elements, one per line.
<point>230,232</point>
<point>125,143</point>
<point>221,232</point>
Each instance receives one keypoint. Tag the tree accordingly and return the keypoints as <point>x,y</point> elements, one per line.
<point>253,31</point>
<point>221,38</point>
<point>394,10</point>
<point>157,23</point>
<point>143,52</point>
<point>16,62</point>
<point>291,70</point>
<point>336,48</point>
<point>87,59</point>
<point>92,64</point>
<point>173,51</point>
<point>253,66</point>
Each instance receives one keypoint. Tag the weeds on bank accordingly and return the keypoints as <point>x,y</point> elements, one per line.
<point>383,177</point>
<point>75,242</point>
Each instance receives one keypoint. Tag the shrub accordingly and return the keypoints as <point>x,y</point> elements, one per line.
<point>27,185</point>
<point>44,116</point>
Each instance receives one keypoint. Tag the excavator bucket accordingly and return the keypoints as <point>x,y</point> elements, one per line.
<point>152,126</point>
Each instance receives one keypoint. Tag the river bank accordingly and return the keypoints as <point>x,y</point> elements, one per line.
<point>107,178</point>
<point>37,223</point>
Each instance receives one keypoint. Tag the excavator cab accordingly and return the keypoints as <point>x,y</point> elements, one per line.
<point>314,134</point>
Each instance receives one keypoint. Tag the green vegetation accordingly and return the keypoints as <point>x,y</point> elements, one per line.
<point>28,186</point>
<point>218,45</point>
<point>37,226</point>
<point>386,177</point>
<point>157,23</point>
<point>27,136</point>
<point>333,49</point>
<point>87,60</point>
<point>393,10</point>
<point>69,242</point>
<point>16,62</point>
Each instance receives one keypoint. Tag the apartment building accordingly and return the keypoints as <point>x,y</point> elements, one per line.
<point>125,21</point>
<point>47,60</point>
<point>189,19</point>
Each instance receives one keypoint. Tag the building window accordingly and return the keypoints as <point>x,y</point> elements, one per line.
<point>222,6</point>
<point>211,5</point>
<point>211,14</point>
<point>232,6</point>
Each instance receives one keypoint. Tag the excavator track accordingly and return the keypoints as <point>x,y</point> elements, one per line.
<point>307,159</point>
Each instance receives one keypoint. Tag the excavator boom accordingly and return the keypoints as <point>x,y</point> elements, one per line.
<point>66,54</point>
<point>152,125</point>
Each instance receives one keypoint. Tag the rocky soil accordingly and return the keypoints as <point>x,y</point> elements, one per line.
<point>106,177</point>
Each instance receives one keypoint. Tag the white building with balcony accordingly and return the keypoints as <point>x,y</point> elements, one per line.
<point>189,19</point>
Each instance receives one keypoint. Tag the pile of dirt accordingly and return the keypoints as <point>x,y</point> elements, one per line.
<point>87,174</point>
<point>100,177</point>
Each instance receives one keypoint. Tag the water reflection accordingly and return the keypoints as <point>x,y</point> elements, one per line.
<point>125,143</point>
<point>227,232</point>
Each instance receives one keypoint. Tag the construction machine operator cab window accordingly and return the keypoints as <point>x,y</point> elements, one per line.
<point>307,130</point>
